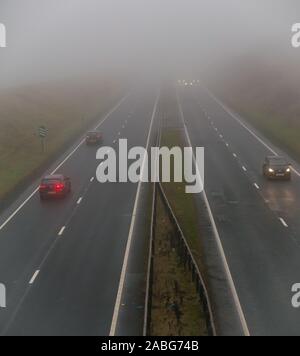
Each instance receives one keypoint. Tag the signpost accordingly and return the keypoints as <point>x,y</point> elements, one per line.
<point>43,135</point>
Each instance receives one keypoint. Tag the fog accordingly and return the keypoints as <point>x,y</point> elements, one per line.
<point>54,39</point>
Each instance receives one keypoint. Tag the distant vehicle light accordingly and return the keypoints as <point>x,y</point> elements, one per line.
<point>288,170</point>
<point>271,170</point>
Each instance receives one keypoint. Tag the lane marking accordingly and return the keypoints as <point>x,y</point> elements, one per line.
<point>283,222</point>
<point>234,155</point>
<point>62,230</point>
<point>36,273</point>
<point>244,169</point>
<point>79,200</point>
<point>256,186</point>
<point>227,144</point>
<point>92,179</point>
<point>218,239</point>
<point>21,206</point>
<point>130,235</point>
<point>238,120</point>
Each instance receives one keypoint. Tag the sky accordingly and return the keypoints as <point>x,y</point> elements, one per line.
<point>52,39</point>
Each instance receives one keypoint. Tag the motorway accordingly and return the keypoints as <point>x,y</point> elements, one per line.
<point>257,220</point>
<point>61,260</point>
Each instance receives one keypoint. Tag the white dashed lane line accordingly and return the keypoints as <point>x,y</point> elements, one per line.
<point>36,273</point>
<point>92,179</point>
<point>283,222</point>
<point>62,230</point>
<point>234,155</point>
<point>79,200</point>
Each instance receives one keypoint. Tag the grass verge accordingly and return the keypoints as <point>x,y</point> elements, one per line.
<point>176,307</point>
<point>183,204</point>
<point>65,109</point>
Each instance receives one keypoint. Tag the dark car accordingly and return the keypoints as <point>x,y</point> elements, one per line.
<point>93,138</point>
<point>55,186</point>
<point>276,167</point>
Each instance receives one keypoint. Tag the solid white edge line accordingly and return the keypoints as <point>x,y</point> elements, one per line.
<point>218,239</point>
<point>18,209</point>
<point>229,112</point>
<point>129,240</point>
<point>36,273</point>
<point>61,164</point>
<point>283,222</point>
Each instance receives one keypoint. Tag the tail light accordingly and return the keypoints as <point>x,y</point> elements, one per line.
<point>59,187</point>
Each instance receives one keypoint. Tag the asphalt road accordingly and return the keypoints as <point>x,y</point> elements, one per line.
<point>61,260</point>
<point>257,220</point>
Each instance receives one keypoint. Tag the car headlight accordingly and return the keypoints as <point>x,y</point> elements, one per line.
<point>288,170</point>
<point>271,170</point>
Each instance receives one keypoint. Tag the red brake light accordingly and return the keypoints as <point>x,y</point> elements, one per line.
<point>59,187</point>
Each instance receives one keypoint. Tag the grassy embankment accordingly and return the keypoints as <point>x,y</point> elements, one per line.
<point>65,109</point>
<point>176,309</point>
<point>267,94</point>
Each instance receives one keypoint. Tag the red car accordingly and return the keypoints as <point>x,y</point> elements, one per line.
<point>56,185</point>
<point>93,138</point>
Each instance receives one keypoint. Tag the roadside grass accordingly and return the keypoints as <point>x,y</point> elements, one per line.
<point>183,204</point>
<point>65,109</point>
<point>176,308</point>
<point>276,129</point>
<point>265,90</point>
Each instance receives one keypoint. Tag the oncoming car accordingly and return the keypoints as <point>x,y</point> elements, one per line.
<point>55,186</point>
<point>276,167</point>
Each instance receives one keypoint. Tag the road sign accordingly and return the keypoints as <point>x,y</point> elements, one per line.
<point>42,131</point>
